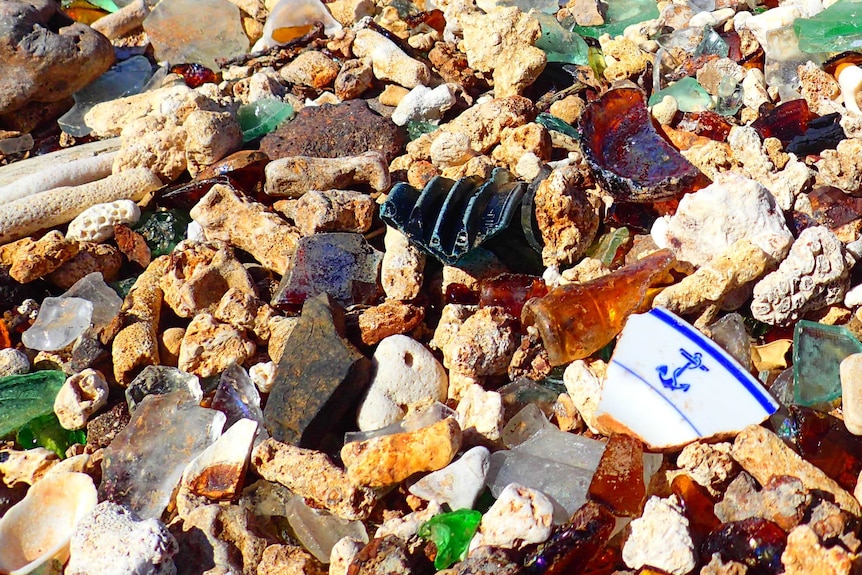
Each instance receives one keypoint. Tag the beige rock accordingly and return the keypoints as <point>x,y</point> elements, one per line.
<point>452,318</point>
<point>804,555</point>
<point>156,143</point>
<point>102,258</point>
<point>407,526</point>
<point>354,78</point>
<point>714,72</point>
<point>402,269</point>
<point>708,464</point>
<point>311,68</point>
<point>450,149</point>
<point>586,12</point>
<point>124,20</point>
<point>819,88</point>
<point>289,560</point>
<point>28,466</point>
<point>218,472</point>
<point>624,58</point>
<point>28,260</point>
<point>711,157</point>
<point>311,474</point>
<point>243,310</point>
<point>481,415</point>
<point>330,211</point>
<point>851,392</point>
<point>664,520</point>
<point>583,383</point>
<point>81,396</point>
<point>567,220</point>
<point>199,274</point>
<point>225,215</point>
<point>841,167</point>
<point>280,329</point>
<point>294,176</point>
<point>263,375</point>
<point>169,345</point>
<point>210,136</point>
<point>209,346</point>
<point>515,143</point>
<point>60,205</point>
<point>390,459</point>
<point>763,454</point>
<point>502,43</point>
<point>137,345</point>
<point>388,61</point>
<point>389,318</point>
<point>485,343</point>
<point>347,12</point>
<point>569,109</point>
<point>519,517</point>
<point>664,111</point>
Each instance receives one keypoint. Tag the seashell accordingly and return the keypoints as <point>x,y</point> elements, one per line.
<point>38,528</point>
<point>850,80</point>
<point>626,154</point>
<point>290,19</point>
<point>448,218</point>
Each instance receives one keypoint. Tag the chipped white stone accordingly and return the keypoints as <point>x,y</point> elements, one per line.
<point>112,540</point>
<point>96,224</point>
<point>342,555</point>
<point>401,272</point>
<point>480,414</point>
<point>584,385</point>
<point>81,395</point>
<point>407,526</point>
<point>407,376</point>
<point>263,375</point>
<point>519,517</point>
<point>851,392</point>
<point>813,276</point>
<point>754,89</point>
<point>388,61</point>
<point>459,483</point>
<point>13,362</point>
<point>423,104</point>
<point>663,521</point>
<point>712,219</point>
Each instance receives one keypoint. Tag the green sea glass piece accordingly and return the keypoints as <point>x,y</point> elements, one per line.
<point>163,230</point>
<point>123,287</point>
<point>46,431</point>
<point>836,29</point>
<point>689,94</point>
<point>451,533</point>
<point>606,248</point>
<point>711,44</point>
<point>817,353</point>
<point>554,123</point>
<point>619,15</point>
<point>23,397</point>
<point>559,44</point>
<point>416,129</point>
<point>262,117</point>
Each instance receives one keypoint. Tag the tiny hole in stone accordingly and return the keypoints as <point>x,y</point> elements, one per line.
<point>408,359</point>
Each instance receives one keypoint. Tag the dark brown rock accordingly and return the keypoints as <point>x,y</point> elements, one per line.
<point>103,428</point>
<point>334,131</point>
<point>46,56</point>
<point>320,376</point>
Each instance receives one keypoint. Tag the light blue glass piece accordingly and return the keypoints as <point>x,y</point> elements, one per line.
<point>106,5</point>
<point>817,353</point>
<point>729,99</point>
<point>712,44</point>
<point>60,321</point>
<point>619,15</point>
<point>689,94</point>
<point>262,117</point>
<point>122,79</point>
<point>559,44</point>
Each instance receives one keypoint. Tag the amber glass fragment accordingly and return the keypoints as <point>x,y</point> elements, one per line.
<point>824,441</point>
<point>510,291</point>
<point>628,156</point>
<point>83,12</point>
<point>576,320</point>
<point>698,504</point>
<point>618,482</point>
<point>756,543</point>
<point>5,339</point>
<point>606,562</point>
<point>638,217</point>
<point>734,44</point>
<point>195,75</point>
<point>831,65</point>
<point>785,121</point>
<point>572,545</point>
<point>461,294</point>
<point>713,126</point>
<point>832,208</point>
<point>245,168</point>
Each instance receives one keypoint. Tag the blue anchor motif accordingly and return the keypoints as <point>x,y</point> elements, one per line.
<point>693,361</point>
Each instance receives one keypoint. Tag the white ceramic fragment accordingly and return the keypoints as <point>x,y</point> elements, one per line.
<point>669,385</point>
<point>96,223</point>
<point>38,528</point>
<point>459,483</point>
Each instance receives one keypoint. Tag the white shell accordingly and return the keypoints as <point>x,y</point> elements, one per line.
<point>850,81</point>
<point>96,224</point>
<point>39,527</point>
<point>295,13</point>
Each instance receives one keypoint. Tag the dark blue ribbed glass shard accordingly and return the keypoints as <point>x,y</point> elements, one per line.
<point>449,218</point>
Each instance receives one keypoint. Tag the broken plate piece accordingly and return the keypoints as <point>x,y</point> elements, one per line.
<point>449,218</point>
<point>669,385</point>
<point>628,156</point>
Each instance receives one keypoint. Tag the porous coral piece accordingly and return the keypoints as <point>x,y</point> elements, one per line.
<point>28,259</point>
<point>484,345</point>
<point>624,58</point>
<point>842,167</point>
<point>502,43</point>
<point>330,211</point>
<point>209,346</point>
<point>566,218</point>
<point>813,276</point>
<point>96,224</point>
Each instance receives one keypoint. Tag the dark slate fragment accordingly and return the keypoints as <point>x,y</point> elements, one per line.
<point>334,131</point>
<point>319,378</point>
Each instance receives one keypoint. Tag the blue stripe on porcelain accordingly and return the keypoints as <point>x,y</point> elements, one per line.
<point>709,347</point>
<point>661,395</point>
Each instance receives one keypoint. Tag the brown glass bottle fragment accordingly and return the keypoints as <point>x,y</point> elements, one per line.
<point>618,482</point>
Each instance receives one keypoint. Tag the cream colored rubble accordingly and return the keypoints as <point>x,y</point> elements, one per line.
<point>388,61</point>
<point>209,346</point>
<point>401,271</point>
<point>81,395</point>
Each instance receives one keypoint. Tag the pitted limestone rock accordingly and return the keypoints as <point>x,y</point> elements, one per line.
<point>311,68</point>
<point>450,149</point>
<point>209,346</point>
<point>156,143</point>
<point>227,216</point>
<point>664,519</point>
<point>814,275</point>
<point>502,43</point>
<point>480,413</point>
<point>96,224</point>
<point>198,275</point>
<point>330,211</point>
<point>210,136</point>
<point>243,310</point>
<point>13,362</point>
<point>401,272</point>
<point>567,220</point>
<point>484,345</point>
<point>82,395</point>
<point>28,259</point>
<point>293,176</point>
<point>842,167</point>
<point>624,58</point>
<point>519,517</point>
<point>388,61</point>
